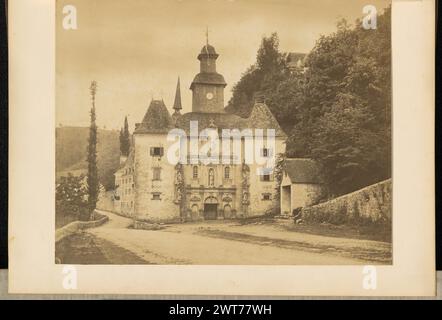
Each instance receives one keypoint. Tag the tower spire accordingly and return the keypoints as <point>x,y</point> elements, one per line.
<point>177,103</point>
<point>207,35</point>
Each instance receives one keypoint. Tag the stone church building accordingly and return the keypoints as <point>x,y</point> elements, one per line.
<point>150,188</point>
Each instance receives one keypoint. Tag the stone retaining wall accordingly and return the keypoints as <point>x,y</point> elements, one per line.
<point>370,204</point>
<point>76,226</point>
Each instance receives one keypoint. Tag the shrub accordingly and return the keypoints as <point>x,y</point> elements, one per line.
<point>71,198</point>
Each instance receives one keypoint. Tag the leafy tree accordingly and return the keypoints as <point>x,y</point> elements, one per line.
<point>337,110</point>
<point>346,122</point>
<point>71,198</point>
<point>92,174</point>
<point>269,69</point>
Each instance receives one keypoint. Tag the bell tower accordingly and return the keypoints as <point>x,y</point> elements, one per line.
<point>208,85</point>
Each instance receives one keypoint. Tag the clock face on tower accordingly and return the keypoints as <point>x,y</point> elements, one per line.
<point>209,95</point>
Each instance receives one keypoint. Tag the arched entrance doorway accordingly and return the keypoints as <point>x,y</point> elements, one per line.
<point>210,208</point>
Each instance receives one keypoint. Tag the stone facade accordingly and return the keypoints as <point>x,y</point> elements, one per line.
<point>166,192</point>
<point>154,180</point>
<point>124,196</point>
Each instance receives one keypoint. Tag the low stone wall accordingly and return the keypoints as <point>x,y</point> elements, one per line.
<point>147,226</point>
<point>371,204</point>
<point>76,226</point>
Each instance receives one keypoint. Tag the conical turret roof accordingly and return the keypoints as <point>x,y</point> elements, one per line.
<point>156,120</point>
<point>177,103</point>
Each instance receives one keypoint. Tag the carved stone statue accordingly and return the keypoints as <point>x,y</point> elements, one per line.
<point>179,183</point>
<point>245,170</point>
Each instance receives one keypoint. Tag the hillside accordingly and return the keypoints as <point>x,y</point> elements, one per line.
<point>70,153</point>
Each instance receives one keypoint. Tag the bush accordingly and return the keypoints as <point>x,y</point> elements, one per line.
<point>71,199</point>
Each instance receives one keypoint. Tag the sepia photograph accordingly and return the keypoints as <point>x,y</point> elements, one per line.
<point>223,132</point>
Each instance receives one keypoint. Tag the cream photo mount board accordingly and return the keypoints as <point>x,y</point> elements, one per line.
<point>31,184</point>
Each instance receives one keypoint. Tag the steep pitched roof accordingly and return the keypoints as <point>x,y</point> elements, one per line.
<point>208,120</point>
<point>262,118</point>
<point>301,170</point>
<point>156,120</point>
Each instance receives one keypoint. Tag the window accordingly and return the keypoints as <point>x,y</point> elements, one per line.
<point>266,196</point>
<point>265,177</point>
<point>195,172</point>
<point>211,177</point>
<point>266,152</point>
<point>156,174</point>
<point>227,173</point>
<point>157,151</point>
<point>156,196</point>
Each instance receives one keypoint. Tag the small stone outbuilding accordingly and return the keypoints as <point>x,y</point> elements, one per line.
<point>301,184</point>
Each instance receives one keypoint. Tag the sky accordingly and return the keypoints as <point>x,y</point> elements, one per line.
<point>136,49</point>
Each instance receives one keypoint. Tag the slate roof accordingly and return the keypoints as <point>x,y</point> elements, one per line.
<point>177,103</point>
<point>301,170</point>
<point>208,50</point>
<point>156,120</point>
<point>262,118</point>
<point>205,120</point>
<point>208,78</point>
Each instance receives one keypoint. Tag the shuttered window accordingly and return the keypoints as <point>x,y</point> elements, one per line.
<point>266,177</point>
<point>156,151</point>
<point>266,196</point>
<point>156,196</point>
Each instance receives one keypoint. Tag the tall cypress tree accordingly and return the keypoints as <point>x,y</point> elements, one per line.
<point>125,139</point>
<point>92,175</point>
<point>122,141</point>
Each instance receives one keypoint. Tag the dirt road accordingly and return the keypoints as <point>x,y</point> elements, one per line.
<point>222,242</point>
